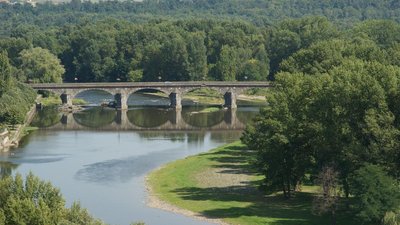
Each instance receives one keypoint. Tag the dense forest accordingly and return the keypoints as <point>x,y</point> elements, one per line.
<point>185,40</point>
<point>194,49</point>
<point>259,12</point>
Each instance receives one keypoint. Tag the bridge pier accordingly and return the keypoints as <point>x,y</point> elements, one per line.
<point>230,100</point>
<point>122,101</point>
<point>176,100</point>
<point>66,99</point>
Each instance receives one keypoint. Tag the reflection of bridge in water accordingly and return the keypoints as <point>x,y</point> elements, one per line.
<point>176,123</point>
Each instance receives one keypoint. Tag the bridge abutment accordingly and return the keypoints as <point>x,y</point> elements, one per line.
<point>230,100</point>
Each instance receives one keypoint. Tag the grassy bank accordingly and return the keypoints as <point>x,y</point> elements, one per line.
<point>221,184</point>
<point>55,100</point>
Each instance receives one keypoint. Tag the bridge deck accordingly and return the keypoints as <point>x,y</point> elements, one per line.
<point>190,84</point>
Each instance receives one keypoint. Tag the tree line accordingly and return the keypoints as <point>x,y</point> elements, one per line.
<point>259,12</point>
<point>188,50</point>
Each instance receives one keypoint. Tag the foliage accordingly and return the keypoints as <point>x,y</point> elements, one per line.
<point>392,218</point>
<point>46,14</point>
<point>336,104</point>
<point>34,201</point>
<point>284,153</point>
<point>5,73</point>
<point>375,193</point>
<point>40,66</point>
<point>15,103</point>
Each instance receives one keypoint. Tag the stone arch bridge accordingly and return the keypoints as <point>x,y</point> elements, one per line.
<point>175,90</point>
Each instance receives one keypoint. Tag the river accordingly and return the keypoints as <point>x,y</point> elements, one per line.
<point>100,156</point>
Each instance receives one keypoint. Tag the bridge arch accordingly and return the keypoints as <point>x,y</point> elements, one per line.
<point>159,98</point>
<point>101,96</point>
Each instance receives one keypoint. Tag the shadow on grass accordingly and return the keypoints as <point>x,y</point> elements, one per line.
<point>252,203</point>
<point>246,200</point>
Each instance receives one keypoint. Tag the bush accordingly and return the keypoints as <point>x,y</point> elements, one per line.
<point>375,193</point>
<point>35,202</point>
<point>15,103</point>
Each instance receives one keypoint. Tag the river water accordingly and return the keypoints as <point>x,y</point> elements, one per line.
<point>100,156</point>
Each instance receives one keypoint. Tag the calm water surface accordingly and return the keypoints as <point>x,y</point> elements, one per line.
<point>101,159</point>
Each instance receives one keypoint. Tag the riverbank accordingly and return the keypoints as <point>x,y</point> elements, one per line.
<point>221,186</point>
<point>11,138</point>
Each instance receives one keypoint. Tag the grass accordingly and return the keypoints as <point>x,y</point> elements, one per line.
<point>197,184</point>
<point>51,100</point>
<point>27,130</point>
<point>54,100</point>
<point>210,96</point>
<point>78,101</point>
<point>205,96</point>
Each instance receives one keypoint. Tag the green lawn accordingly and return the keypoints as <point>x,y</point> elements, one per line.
<point>55,100</point>
<point>189,184</point>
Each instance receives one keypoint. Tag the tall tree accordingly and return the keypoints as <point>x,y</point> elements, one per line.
<point>197,56</point>
<point>40,66</point>
<point>227,64</point>
<point>5,73</point>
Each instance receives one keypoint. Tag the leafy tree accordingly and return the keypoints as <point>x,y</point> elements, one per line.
<point>385,33</point>
<point>375,193</point>
<point>283,133</point>
<point>91,53</point>
<point>174,60</point>
<point>197,56</point>
<point>5,73</point>
<point>15,103</point>
<point>33,201</point>
<point>226,67</point>
<point>40,66</point>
